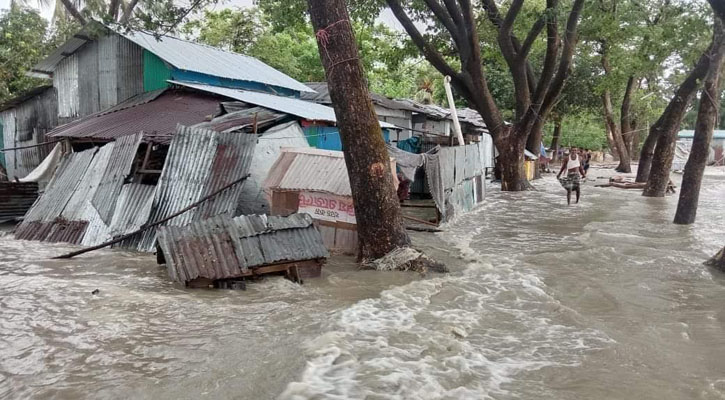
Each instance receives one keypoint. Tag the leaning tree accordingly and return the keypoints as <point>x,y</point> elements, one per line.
<point>535,92</point>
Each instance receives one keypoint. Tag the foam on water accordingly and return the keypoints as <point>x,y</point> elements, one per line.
<point>466,335</point>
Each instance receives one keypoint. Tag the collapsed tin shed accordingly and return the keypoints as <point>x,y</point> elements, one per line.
<point>224,248</point>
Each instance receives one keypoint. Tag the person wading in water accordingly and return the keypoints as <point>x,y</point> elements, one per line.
<point>572,164</point>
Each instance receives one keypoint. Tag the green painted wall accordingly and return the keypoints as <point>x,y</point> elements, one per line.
<point>155,72</point>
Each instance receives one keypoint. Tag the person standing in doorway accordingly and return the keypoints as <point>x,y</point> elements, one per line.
<point>572,164</point>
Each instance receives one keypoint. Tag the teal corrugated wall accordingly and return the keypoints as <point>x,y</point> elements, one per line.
<point>155,72</point>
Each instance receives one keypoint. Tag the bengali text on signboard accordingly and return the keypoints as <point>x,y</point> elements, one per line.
<point>327,207</point>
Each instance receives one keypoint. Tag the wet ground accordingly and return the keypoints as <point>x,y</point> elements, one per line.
<point>602,300</point>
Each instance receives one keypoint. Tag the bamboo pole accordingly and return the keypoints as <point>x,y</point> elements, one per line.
<point>148,226</point>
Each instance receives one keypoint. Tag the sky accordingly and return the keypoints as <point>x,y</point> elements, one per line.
<point>386,17</point>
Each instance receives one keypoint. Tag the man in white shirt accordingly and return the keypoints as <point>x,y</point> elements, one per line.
<point>572,164</point>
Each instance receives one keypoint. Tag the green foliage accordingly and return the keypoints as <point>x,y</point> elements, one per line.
<point>22,43</point>
<point>582,130</point>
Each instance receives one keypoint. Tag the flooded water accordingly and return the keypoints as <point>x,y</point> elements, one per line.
<point>602,300</point>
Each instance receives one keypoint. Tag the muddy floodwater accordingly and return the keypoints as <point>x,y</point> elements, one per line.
<point>602,300</point>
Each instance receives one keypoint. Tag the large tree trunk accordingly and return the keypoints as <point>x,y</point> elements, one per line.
<point>647,152</point>
<point>658,149</point>
<point>706,118</point>
<point>511,156</point>
<point>377,211</point>
<point>533,144</point>
<point>634,141</point>
<point>619,146</point>
<point>625,157</point>
<point>555,140</point>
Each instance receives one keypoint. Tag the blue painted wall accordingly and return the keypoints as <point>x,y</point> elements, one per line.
<point>328,137</point>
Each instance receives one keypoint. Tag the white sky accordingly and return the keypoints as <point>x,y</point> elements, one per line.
<point>386,17</point>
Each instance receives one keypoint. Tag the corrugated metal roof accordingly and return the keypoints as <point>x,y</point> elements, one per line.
<point>221,247</point>
<point>289,105</point>
<point>69,173</point>
<point>117,168</point>
<point>309,169</point>
<point>45,67</point>
<point>431,110</point>
<point>182,54</point>
<point>471,116</point>
<point>689,134</point>
<point>241,119</point>
<point>132,208</point>
<point>300,108</point>
<point>74,210</point>
<point>322,96</point>
<point>213,61</point>
<point>198,163</point>
<point>158,117</point>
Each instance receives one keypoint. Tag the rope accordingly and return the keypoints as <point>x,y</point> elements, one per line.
<point>323,38</point>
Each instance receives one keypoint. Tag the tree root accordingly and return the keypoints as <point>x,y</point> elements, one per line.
<point>405,259</point>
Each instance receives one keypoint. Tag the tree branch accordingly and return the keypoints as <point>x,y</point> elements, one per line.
<point>73,11</point>
<point>552,52</point>
<point>570,38</point>
<point>446,19</point>
<point>113,9</point>
<point>430,53</point>
<point>454,11</point>
<point>495,17</point>
<point>532,35</point>
<point>128,12</point>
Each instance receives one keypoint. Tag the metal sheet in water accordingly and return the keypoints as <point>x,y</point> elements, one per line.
<point>199,162</point>
<point>132,209</point>
<point>116,171</point>
<point>221,247</point>
<point>75,209</point>
<point>232,161</point>
<point>51,203</point>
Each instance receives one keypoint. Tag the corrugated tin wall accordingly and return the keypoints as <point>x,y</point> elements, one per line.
<point>107,71</point>
<point>88,90</point>
<point>65,80</point>
<point>8,120</point>
<point>101,74</point>
<point>155,72</point>
<point>26,125</point>
<point>130,70</point>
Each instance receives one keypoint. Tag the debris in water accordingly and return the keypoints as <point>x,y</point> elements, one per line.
<point>459,332</point>
<point>95,292</point>
<point>405,259</point>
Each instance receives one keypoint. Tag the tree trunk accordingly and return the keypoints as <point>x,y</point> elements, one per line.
<point>658,149</point>
<point>634,142</point>
<point>555,140</point>
<point>706,118</point>
<point>533,144</point>
<point>625,163</point>
<point>610,141</point>
<point>511,156</point>
<point>718,260</point>
<point>619,145</point>
<point>647,153</point>
<point>380,226</point>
